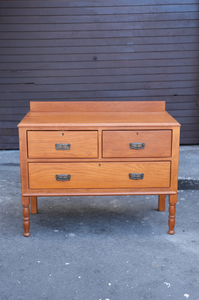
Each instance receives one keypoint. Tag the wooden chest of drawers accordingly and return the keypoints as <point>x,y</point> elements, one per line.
<point>98,148</point>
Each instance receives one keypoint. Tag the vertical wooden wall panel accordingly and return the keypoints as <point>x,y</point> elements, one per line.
<point>99,50</point>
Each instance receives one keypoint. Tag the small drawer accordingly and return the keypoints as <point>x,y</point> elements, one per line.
<point>62,144</point>
<point>146,143</point>
<point>94,175</point>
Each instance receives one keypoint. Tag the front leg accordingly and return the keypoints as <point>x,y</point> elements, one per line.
<point>172,210</point>
<point>26,216</point>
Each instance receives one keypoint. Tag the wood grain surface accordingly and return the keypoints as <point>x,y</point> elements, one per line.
<point>117,143</point>
<point>94,106</point>
<point>83,144</point>
<point>82,120</point>
<point>103,175</point>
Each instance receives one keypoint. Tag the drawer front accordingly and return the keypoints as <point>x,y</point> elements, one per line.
<point>137,143</point>
<point>62,144</point>
<point>95,175</point>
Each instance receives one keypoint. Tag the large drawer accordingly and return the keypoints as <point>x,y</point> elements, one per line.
<point>146,143</point>
<point>62,144</point>
<point>95,175</point>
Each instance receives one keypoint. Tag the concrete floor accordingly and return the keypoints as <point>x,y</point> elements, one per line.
<point>99,248</point>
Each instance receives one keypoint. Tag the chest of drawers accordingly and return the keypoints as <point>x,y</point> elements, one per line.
<point>98,148</point>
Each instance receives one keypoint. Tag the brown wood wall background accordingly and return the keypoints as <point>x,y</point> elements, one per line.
<point>146,50</point>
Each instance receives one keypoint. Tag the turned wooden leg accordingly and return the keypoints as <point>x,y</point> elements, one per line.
<point>33,201</point>
<point>161,202</point>
<point>26,220</point>
<point>26,216</point>
<point>172,210</point>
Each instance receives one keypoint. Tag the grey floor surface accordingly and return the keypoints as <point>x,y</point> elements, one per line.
<point>99,248</point>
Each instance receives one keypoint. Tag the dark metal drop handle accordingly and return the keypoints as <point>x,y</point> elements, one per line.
<point>63,177</point>
<point>137,146</point>
<point>136,176</point>
<point>62,146</point>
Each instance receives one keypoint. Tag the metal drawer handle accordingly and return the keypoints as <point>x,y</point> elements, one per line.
<point>136,176</point>
<point>62,146</point>
<point>137,146</point>
<point>63,177</point>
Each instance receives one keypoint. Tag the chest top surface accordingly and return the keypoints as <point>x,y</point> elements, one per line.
<point>94,113</point>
